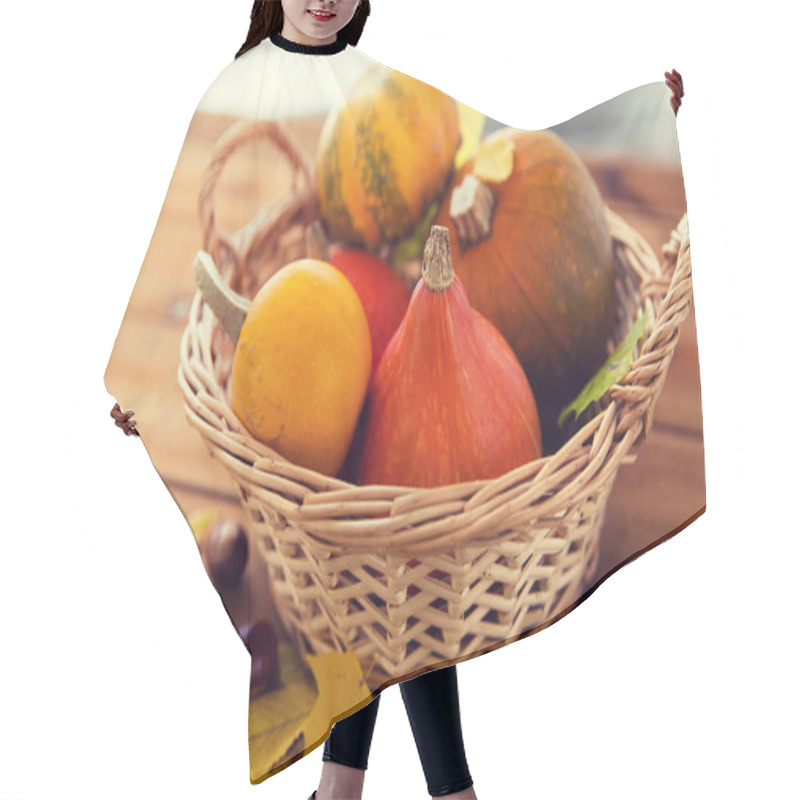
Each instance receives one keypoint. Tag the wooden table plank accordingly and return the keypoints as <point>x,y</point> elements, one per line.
<point>679,406</point>
<point>653,497</point>
<point>638,184</point>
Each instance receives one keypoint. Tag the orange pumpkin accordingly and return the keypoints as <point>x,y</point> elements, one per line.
<point>302,364</point>
<point>449,402</point>
<point>384,157</point>
<point>533,251</point>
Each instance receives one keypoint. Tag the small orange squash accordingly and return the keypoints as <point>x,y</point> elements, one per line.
<point>384,157</point>
<point>533,251</point>
<point>449,402</point>
<point>302,364</point>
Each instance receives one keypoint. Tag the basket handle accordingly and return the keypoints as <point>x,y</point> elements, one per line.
<point>217,242</point>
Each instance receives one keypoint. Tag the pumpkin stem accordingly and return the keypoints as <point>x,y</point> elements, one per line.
<point>437,261</point>
<point>317,242</point>
<point>229,307</point>
<point>471,209</point>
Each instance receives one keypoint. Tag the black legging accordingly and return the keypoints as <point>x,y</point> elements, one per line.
<point>432,706</point>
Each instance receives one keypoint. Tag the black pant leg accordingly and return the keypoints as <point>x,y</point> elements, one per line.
<point>351,737</point>
<point>432,705</point>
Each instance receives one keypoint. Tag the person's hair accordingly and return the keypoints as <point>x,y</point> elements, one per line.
<point>266,18</point>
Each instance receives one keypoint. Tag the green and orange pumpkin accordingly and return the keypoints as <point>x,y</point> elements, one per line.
<point>384,157</point>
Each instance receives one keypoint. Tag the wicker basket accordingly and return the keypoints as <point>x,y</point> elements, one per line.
<point>414,578</point>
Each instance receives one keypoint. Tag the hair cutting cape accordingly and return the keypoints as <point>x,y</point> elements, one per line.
<point>382,484</point>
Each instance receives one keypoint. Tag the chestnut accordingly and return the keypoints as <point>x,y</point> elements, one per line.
<point>262,642</point>
<point>226,553</point>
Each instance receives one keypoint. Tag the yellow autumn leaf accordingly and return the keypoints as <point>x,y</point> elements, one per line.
<point>340,687</point>
<point>471,124</point>
<point>276,718</point>
<point>494,159</point>
<point>200,522</point>
<point>304,706</point>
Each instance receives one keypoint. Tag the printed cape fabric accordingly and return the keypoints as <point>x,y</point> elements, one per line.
<point>419,381</point>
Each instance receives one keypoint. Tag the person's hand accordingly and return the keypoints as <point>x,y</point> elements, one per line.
<point>675,82</point>
<point>122,419</point>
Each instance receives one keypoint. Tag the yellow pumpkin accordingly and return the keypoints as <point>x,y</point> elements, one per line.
<point>302,365</point>
<point>384,157</point>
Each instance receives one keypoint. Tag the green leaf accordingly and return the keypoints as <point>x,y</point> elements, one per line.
<point>613,371</point>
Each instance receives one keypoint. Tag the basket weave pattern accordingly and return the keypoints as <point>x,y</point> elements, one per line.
<point>411,578</point>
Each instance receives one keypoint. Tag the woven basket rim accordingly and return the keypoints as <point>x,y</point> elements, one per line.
<point>602,442</point>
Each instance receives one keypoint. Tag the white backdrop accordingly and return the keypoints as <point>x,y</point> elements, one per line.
<point>120,673</point>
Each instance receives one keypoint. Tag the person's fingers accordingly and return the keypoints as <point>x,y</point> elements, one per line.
<point>122,419</point>
<point>676,87</point>
<point>674,81</point>
<point>675,76</point>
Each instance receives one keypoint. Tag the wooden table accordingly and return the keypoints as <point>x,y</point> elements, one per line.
<point>652,498</point>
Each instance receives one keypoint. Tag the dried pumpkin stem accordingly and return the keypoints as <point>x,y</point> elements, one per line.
<point>317,242</point>
<point>228,307</point>
<point>471,209</point>
<point>437,261</point>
